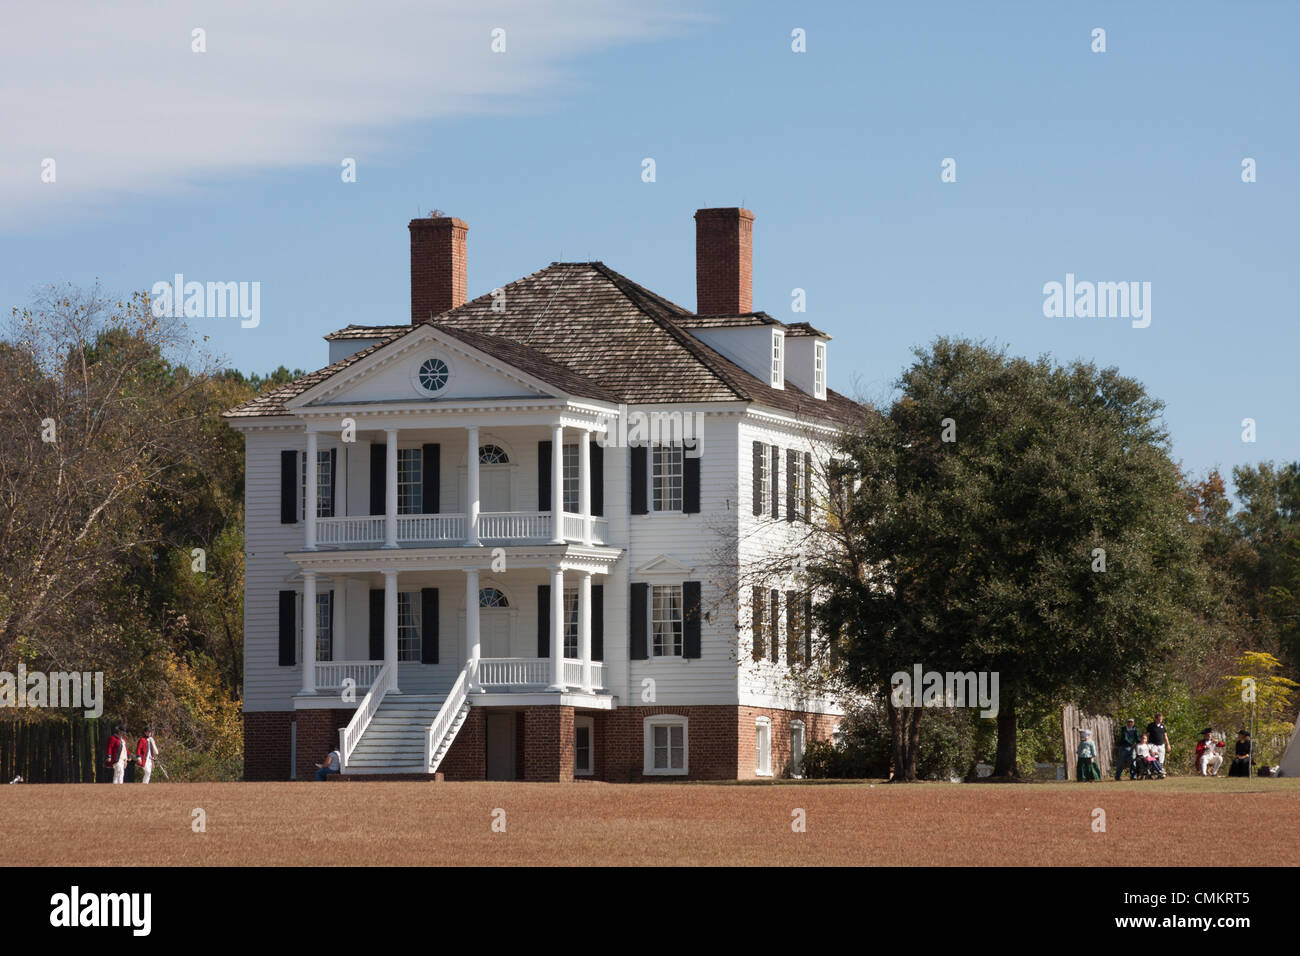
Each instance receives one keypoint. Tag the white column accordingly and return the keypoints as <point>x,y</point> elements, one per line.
<point>309,632</point>
<point>390,626</point>
<point>557,484</point>
<point>390,476</point>
<point>310,494</point>
<point>557,629</point>
<point>584,628</point>
<point>471,491</point>
<point>584,484</point>
<point>472,639</point>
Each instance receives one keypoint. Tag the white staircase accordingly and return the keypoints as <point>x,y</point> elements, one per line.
<point>394,740</point>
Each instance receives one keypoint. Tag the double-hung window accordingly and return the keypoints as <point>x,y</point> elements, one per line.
<point>571,476</point>
<point>324,488</point>
<point>410,481</point>
<point>408,625</point>
<point>666,620</point>
<point>819,369</point>
<point>667,467</point>
<point>667,744</point>
<point>570,623</point>
<point>324,626</point>
<point>763,747</point>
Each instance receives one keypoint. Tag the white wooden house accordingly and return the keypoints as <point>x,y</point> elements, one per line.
<point>464,556</point>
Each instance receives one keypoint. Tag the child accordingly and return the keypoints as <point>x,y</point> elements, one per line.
<point>1088,769</point>
<point>1149,754</point>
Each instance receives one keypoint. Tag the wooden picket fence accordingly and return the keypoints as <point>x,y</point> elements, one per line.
<point>58,750</point>
<point>1103,736</point>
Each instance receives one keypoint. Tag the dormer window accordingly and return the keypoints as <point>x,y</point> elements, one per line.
<point>819,370</point>
<point>778,359</point>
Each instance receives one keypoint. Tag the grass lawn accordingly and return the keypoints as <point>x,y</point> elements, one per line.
<point>855,823</point>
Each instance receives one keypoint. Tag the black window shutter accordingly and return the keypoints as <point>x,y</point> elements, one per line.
<point>639,502</point>
<point>776,482</point>
<point>758,477</point>
<point>288,487</point>
<point>288,629</point>
<point>376,624</point>
<point>690,619</point>
<point>431,485</point>
<point>544,452</point>
<point>775,645</point>
<point>807,627</point>
<point>598,622</point>
<point>597,457</point>
<point>543,620</point>
<point>378,478</point>
<point>429,624</point>
<point>690,484</point>
<point>791,627</point>
<point>807,486</point>
<point>639,612</point>
<point>756,603</point>
<point>791,484</point>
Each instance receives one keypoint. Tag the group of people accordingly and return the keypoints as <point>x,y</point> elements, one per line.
<point>120,755</point>
<point>1144,754</point>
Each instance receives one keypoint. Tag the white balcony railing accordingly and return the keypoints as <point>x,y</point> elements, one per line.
<point>330,675</point>
<point>452,529</point>
<point>497,673</point>
<point>368,529</point>
<point>436,528</point>
<point>514,525</point>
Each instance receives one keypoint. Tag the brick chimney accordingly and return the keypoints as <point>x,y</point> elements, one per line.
<point>724,266</point>
<point>437,266</point>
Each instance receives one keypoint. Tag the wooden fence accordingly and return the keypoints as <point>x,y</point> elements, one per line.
<point>60,750</point>
<point>1103,736</point>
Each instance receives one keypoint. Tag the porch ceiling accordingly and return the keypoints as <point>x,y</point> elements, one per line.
<point>596,559</point>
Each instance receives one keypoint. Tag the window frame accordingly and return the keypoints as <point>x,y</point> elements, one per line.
<point>763,747</point>
<point>648,726</point>
<point>325,630</point>
<point>765,480</point>
<point>679,638</point>
<point>570,478</point>
<point>796,771</point>
<point>653,480</point>
<point>408,487</point>
<point>413,622</point>
<point>777,377</point>
<point>571,624</point>
<point>589,725</point>
<point>819,369</point>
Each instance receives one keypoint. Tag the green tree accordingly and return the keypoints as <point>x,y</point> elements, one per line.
<point>1010,516</point>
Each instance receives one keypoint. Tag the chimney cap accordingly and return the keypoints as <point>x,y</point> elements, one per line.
<point>724,212</point>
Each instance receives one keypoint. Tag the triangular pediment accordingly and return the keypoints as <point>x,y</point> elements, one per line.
<point>664,564</point>
<point>401,370</point>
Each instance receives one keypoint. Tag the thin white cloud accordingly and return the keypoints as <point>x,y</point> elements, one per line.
<point>113,93</point>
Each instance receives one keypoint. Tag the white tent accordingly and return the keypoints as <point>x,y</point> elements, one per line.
<point>1290,766</point>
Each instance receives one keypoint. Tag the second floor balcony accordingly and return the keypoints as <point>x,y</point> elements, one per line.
<point>454,530</point>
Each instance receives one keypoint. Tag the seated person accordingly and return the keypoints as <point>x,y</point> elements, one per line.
<point>333,764</point>
<point>1208,758</point>
<point>1149,757</point>
<point>1241,760</point>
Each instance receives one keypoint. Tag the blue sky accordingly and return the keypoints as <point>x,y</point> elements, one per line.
<point>1115,166</point>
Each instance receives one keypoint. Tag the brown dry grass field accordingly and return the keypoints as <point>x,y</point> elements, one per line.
<point>862,823</point>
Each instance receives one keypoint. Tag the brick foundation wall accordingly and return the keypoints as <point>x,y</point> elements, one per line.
<point>816,727</point>
<point>548,743</point>
<point>268,735</point>
<point>467,757</point>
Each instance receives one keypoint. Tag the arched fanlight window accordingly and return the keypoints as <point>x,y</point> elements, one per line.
<point>491,597</point>
<point>492,455</point>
